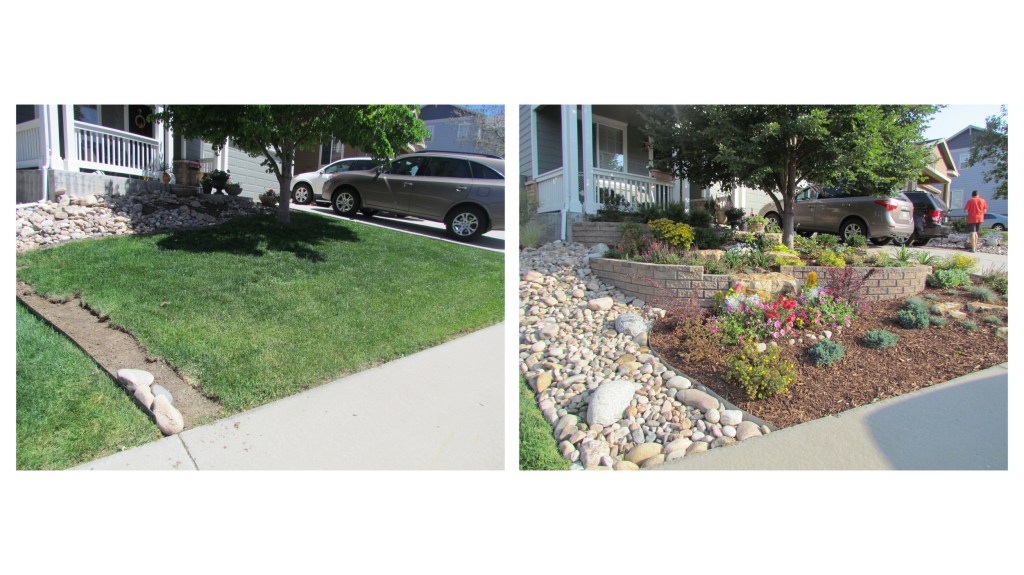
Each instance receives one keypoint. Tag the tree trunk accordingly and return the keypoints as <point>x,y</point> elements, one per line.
<point>787,219</point>
<point>285,193</point>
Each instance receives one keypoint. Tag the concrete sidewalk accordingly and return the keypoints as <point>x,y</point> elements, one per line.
<point>442,408</point>
<point>959,424</point>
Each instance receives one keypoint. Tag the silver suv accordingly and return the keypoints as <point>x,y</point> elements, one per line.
<point>465,191</point>
<point>835,212</point>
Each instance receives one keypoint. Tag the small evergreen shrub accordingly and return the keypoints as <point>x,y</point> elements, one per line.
<point>914,314</point>
<point>982,293</point>
<point>826,352</point>
<point>857,241</point>
<point>931,296</point>
<point>992,320</point>
<point>969,325</point>
<point>951,292</point>
<point>827,241</point>
<point>678,235</point>
<point>707,238</point>
<point>880,338</point>
<point>938,321</point>
<point>759,374</point>
<point>831,259</point>
<point>948,278</point>
<point>999,281</point>
<point>700,218</point>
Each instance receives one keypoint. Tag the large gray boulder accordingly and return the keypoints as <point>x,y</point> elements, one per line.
<point>609,402</point>
<point>630,324</point>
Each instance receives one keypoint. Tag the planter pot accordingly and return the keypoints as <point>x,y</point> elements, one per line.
<point>268,201</point>
<point>207,187</point>
<point>755,227</point>
<point>233,189</point>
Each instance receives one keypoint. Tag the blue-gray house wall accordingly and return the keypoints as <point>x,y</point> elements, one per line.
<point>971,178</point>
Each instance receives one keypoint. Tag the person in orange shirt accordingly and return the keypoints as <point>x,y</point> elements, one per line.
<point>976,208</point>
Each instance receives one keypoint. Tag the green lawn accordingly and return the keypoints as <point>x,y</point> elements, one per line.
<point>68,411</point>
<point>253,311</point>
<point>537,448</point>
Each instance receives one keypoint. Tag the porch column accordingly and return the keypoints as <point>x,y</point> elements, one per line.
<point>570,166</point>
<point>50,114</point>
<point>590,200</point>
<point>70,144</point>
<point>165,152</point>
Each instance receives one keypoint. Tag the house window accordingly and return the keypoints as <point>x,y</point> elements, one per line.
<point>611,148</point>
<point>964,159</point>
<point>956,200</point>
<point>25,113</point>
<point>463,133</point>
<point>90,114</point>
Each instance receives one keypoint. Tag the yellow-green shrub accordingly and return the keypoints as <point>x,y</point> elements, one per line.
<point>829,258</point>
<point>760,374</point>
<point>676,234</point>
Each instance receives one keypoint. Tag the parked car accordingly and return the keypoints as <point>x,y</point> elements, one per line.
<point>307,186</point>
<point>465,191</point>
<point>836,212</point>
<point>931,219</point>
<point>995,221</point>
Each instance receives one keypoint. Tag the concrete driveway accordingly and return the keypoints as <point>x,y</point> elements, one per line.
<point>493,241</point>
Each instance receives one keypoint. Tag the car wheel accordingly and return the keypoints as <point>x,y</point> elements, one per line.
<point>881,241</point>
<point>999,227</point>
<point>302,194</point>
<point>773,218</point>
<point>466,223</point>
<point>368,212</point>
<point>905,240</point>
<point>852,227</point>
<point>346,202</point>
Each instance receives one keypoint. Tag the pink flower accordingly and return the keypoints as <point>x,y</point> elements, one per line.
<point>775,335</point>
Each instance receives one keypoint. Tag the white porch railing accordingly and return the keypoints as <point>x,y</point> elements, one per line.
<point>634,190</point>
<point>110,150</point>
<point>30,150</point>
<point>207,165</point>
<point>549,191</point>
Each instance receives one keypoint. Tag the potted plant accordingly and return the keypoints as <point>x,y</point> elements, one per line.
<point>219,179</point>
<point>207,183</point>
<point>233,189</point>
<point>269,198</point>
<point>734,217</point>
<point>755,224</point>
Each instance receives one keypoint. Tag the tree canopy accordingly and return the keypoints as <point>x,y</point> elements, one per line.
<point>873,149</point>
<point>277,132</point>
<point>993,145</point>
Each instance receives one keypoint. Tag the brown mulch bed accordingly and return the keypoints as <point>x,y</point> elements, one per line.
<point>923,357</point>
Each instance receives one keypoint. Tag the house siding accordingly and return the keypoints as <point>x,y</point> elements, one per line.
<point>246,170</point>
<point>525,143</point>
<point>971,178</point>
<point>549,139</point>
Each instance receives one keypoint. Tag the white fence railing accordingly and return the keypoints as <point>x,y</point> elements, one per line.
<point>110,150</point>
<point>30,149</point>
<point>549,191</point>
<point>207,165</point>
<point>634,190</point>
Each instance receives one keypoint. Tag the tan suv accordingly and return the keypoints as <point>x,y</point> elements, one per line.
<point>465,191</point>
<point>834,212</point>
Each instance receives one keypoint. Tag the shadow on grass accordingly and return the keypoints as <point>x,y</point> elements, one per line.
<point>258,236</point>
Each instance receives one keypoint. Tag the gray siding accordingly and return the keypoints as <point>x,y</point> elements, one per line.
<point>446,132</point>
<point>525,143</point>
<point>247,171</point>
<point>972,178</point>
<point>549,139</point>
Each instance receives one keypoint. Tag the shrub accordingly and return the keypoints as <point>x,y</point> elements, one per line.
<point>613,209</point>
<point>960,225</point>
<point>745,238</point>
<point>901,255</point>
<point>855,259</point>
<point>827,241</point>
<point>707,238</point>
<point>857,241</point>
<point>982,293</point>
<point>781,248</point>
<point>992,320</point>
<point>925,258</point>
<point>829,258</point>
<point>947,278</point>
<point>826,352</point>
<point>938,321</point>
<point>678,235</point>
<point>969,325</point>
<point>880,338</point>
<point>634,237</point>
<point>674,212</point>
<point>759,374</point>
<point>699,343</point>
<point>950,292</point>
<point>788,261</point>
<point>958,262</point>
<point>531,233</point>
<point>914,314</point>
<point>931,296</point>
<point>848,283</point>
<point>999,281</point>
<point>700,218</point>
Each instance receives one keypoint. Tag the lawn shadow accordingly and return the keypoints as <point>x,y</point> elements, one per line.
<point>259,235</point>
<point>940,429</point>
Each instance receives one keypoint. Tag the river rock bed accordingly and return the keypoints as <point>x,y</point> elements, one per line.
<point>51,223</point>
<point>612,403</point>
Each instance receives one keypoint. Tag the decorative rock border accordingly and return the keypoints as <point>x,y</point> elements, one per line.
<point>156,400</point>
<point>643,280</point>
<point>612,403</point>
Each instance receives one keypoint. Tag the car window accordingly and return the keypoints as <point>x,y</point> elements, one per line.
<point>336,167</point>
<point>990,216</point>
<point>363,165</point>
<point>482,172</point>
<point>447,168</point>
<point>407,167</point>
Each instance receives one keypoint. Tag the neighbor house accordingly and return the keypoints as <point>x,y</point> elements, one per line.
<point>971,177</point>
<point>461,129</point>
<point>575,158</point>
<point>96,148</point>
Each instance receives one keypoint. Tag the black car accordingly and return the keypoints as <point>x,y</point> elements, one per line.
<point>931,219</point>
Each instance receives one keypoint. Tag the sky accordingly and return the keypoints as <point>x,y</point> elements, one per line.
<point>954,118</point>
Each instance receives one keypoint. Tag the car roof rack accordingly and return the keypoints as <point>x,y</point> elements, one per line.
<point>463,153</point>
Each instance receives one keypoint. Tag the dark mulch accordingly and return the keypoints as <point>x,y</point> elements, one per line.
<point>920,359</point>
